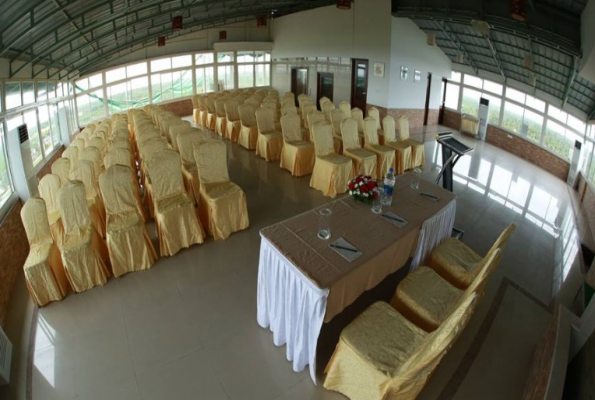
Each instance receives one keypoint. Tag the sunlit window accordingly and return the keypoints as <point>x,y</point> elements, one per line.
<point>13,95</point>
<point>203,58</point>
<point>452,96</point>
<point>225,77</point>
<point>5,183</point>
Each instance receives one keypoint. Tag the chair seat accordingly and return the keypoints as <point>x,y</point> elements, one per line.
<point>383,337</point>
<point>455,262</point>
<point>426,298</point>
<point>120,222</point>
<point>378,148</point>
<point>76,240</point>
<point>173,202</point>
<point>300,143</point>
<point>360,154</point>
<point>335,159</point>
<point>38,254</point>
<point>220,190</point>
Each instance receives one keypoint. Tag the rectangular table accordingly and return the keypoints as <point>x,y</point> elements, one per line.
<point>302,282</point>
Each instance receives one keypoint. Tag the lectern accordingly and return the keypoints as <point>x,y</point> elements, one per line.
<point>452,150</point>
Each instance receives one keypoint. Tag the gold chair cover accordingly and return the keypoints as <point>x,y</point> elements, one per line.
<point>234,125</point>
<point>43,269</point>
<point>84,254</point>
<point>385,154</point>
<point>175,130</point>
<point>403,160</point>
<point>249,130</point>
<point>346,108</point>
<point>458,264</point>
<point>336,117</point>
<point>93,155</point>
<point>211,111</point>
<point>187,142</point>
<point>383,356</point>
<point>176,221</point>
<point>48,190</point>
<point>128,242</point>
<point>374,113</point>
<point>84,173</point>
<point>270,141</point>
<point>80,142</point>
<point>61,168</point>
<point>417,148</point>
<point>289,108</point>
<point>358,116</point>
<point>221,120</point>
<point>72,154</point>
<point>119,155</point>
<point>427,299</point>
<point>364,161</point>
<point>99,143</point>
<point>297,155</point>
<point>332,172</point>
<point>222,207</point>
<point>313,118</point>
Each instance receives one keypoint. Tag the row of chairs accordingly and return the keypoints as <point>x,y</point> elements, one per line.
<point>391,350</point>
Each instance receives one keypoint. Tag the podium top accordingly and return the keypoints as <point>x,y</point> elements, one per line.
<point>454,145</point>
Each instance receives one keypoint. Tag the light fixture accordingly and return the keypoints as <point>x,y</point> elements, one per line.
<point>532,79</point>
<point>161,41</point>
<point>528,62</point>
<point>482,28</point>
<point>176,23</point>
<point>518,10</point>
<point>460,59</point>
<point>261,21</point>
<point>344,4</point>
<point>431,39</point>
<point>222,35</point>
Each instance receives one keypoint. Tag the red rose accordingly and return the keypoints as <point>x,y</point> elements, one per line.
<point>351,185</point>
<point>371,185</point>
<point>364,189</point>
<point>374,195</point>
<point>358,179</point>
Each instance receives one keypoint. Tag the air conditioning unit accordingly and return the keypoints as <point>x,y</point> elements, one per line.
<point>5,358</point>
<point>21,163</point>
<point>574,164</point>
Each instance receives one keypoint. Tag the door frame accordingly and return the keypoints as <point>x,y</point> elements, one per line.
<point>428,91</point>
<point>443,103</point>
<point>354,62</point>
<point>319,77</point>
<point>293,81</point>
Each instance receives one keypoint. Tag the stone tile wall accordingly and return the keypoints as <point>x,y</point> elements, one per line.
<point>416,117</point>
<point>181,108</point>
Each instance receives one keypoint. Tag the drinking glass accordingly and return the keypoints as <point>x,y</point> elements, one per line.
<point>376,201</point>
<point>415,177</point>
<point>324,228</point>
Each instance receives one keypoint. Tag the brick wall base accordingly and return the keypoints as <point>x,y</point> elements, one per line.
<point>181,108</point>
<point>416,116</point>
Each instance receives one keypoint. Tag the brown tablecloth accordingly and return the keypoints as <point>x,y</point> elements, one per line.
<point>385,247</point>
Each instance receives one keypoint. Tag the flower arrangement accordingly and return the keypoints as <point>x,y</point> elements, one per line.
<point>361,188</point>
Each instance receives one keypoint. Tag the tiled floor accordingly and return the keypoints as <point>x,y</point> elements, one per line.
<point>186,328</point>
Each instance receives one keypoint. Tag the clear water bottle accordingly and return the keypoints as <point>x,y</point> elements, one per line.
<point>389,185</point>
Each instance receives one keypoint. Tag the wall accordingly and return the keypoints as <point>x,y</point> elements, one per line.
<point>181,108</point>
<point>587,66</point>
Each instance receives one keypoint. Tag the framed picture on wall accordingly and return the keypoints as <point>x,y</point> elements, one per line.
<point>379,70</point>
<point>404,73</point>
<point>417,76</point>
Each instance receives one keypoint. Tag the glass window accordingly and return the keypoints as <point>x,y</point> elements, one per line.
<point>576,124</point>
<point>13,95</point>
<point>203,58</point>
<point>45,129</point>
<point>181,61</point>
<point>160,65</point>
<point>455,76</point>
<point>225,57</point>
<point>245,75</point>
<point>493,87</point>
<point>55,124</point>
<point>28,93</point>
<point>225,77</point>
<point>60,89</point>
<point>452,96</point>
<point>513,117</point>
<point>470,104</point>
<point>51,86</point>
<point>95,81</point>
<point>90,107</point>
<point>30,118</point>
<point>118,98</point>
<point>138,90</point>
<point>115,75</point>
<point>182,84</point>
<point>533,124</point>
<point>556,113</point>
<point>557,141</point>
<point>263,74</point>
<point>247,57</point>
<point>82,85</point>
<point>204,80</point>
<point>535,103</point>
<point>494,109</point>
<point>1,100</point>
<point>136,70</point>
<point>591,131</point>
<point>515,95</point>
<point>5,184</point>
<point>473,81</point>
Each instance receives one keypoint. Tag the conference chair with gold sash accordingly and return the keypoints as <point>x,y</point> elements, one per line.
<point>221,120</point>
<point>187,142</point>
<point>374,113</point>
<point>459,264</point>
<point>270,141</point>
<point>85,173</point>
<point>48,188</point>
<point>327,108</point>
<point>403,160</point>
<point>222,207</point>
<point>234,125</point>
<point>313,118</point>
<point>72,154</point>
<point>383,356</point>
<point>336,117</point>
<point>364,161</point>
<point>417,148</point>
<point>176,221</point>
<point>43,269</point>
<point>211,111</point>
<point>93,155</point>
<point>175,130</point>
<point>196,109</point>
<point>386,155</point>
<point>346,108</point>
<point>332,172</point>
<point>297,155</point>
<point>61,168</point>
<point>249,130</point>
<point>202,113</point>
<point>358,115</point>
<point>121,156</point>
<point>128,242</point>
<point>83,252</point>
<point>98,143</point>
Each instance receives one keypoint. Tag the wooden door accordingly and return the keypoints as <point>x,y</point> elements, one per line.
<point>299,82</point>
<point>443,103</point>
<point>324,86</point>
<point>428,91</point>
<point>359,84</point>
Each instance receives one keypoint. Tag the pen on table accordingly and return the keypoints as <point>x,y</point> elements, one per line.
<point>429,196</point>
<point>335,246</point>
<point>393,218</point>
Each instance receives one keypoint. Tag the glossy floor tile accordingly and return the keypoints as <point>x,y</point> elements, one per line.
<point>186,328</point>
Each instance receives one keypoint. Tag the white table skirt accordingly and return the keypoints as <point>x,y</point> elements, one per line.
<point>293,307</point>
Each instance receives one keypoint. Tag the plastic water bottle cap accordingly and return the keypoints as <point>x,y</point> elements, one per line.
<point>391,170</point>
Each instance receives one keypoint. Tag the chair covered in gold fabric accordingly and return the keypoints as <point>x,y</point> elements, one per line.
<point>79,143</point>
<point>289,109</point>
<point>417,148</point>
<point>324,100</point>
<point>374,113</point>
<point>358,116</point>
<point>196,109</point>
<point>427,299</point>
<point>383,356</point>
<point>457,263</point>
<point>327,108</point>
<point>234,125</point>
<point>99,143</point>
<point>119,155</point>
<point>346,108</point>
<point>203,111</point>
<point>187,142</point>
<point>61,168</point>
<point>175,130</point>
<point>364,161</point>
<point>403,160</point>
<point>313,118</point>
<point>44,272</point>
<point>386,155</point>
<point>85,173</point>
<point>297,155</point>
<point>332,172</point>
<point>211,111</point>
<point>221,120</point>
<point>48,188</point>
<point>336,117</point>
<point>270,141</point>
<point>84,253</point>
<point>72,154</point>
<point>128,242</point>
<point>93,155</point>
<point>249,131</point>
<point>175,216</point>
<point>222,207</point>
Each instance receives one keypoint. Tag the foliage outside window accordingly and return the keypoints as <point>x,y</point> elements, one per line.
<point>5,183</point>
<point>225,77</point>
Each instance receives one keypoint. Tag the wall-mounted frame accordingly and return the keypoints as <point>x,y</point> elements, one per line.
<point>417,76</point>
<point>404,73</point>
<point>379,70</point>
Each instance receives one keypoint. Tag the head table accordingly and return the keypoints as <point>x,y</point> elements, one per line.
<point>303,282</point>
